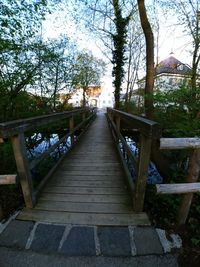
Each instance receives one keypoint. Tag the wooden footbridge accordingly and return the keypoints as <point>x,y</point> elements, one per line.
<point>91,184</point>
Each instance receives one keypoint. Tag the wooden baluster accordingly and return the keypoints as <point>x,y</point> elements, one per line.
<point>19,149</point>
<point>118,123</point>
<point>83,116</point>
<point>193,175</point>
<point>144,159</point>
<point>71,127</point>
<point>1,213</point>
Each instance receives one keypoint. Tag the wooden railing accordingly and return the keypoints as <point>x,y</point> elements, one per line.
<point>191,185</point>
<point>148,130</point>
<point>15,131</point>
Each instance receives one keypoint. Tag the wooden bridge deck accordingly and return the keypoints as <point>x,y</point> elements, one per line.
<point>88,188</point>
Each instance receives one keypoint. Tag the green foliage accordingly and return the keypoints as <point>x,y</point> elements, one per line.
<point>87,71</point>
<point>177,111</point>
<point>7,159</point>
<point>118,53</point>
<point>162,209</point>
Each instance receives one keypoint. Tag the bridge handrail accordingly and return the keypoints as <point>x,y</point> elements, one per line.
<point>191,184</point>
<point>148,130</point>
<point>145,126</point>
<point>8,129</point>
<point>15,131</point>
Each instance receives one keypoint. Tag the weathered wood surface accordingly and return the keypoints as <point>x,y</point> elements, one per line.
<point>88,187</point>
<point>85,218</point>
<point>8,179</point>
<point>8,129</point>
<point>178,188</point>
<point>145,126</point>
<point>179,143</point>
<point>144,159</point>
<point>192,177</point>
<point>19,149</point>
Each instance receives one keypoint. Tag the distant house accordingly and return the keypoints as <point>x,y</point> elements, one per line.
<point>96,96</point>
<point>169,73</point>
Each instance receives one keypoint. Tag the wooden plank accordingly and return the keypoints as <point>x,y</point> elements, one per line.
<point>145,126</point>
<point>181,188</point>
<point>86,198</point>
<point>192,177</point>
<point>93,172</point>
<point>86,190</point>
<point>104,164</point>
<point>19,149</point>
<point>83,207</point>
<point>102,159</point>
<point>144,159</point>
<point>84,218</point>
<point>91,168</point>
<point>65,177</point>
<point>93,184</point>
<point>179,143</point>
<point>71,128</point>
<point>8,179</point>
<point>11,128</point>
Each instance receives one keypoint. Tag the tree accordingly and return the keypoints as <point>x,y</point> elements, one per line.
<point>135,55</point>
<point>87,71</point>
<point>108,20</point>
<point>188,11</point>
<point>149,82</point>
<point>56,75</point>
<point>118,53</point>
<point>20,22</point>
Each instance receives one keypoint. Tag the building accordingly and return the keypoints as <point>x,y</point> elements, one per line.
<point>169,73</point>
<point>96,96</point>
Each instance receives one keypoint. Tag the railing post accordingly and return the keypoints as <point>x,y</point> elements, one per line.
<point>71,127</point>
<point>193,175</point>
<point>83,116</point>
<point>118,123</point>
<point>19,149</point>
<point>140,186</point>
<point>1,212</point>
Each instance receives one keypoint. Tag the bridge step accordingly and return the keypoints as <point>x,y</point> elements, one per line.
<point>94,183</point>
<point>86,198</point>
<point>84,207</point>
<point>85,190</point>
<point>84,218</point>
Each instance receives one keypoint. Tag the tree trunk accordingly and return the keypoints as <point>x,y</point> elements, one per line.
<point>84,98</point>
<point>119,41</point>
<point>149,83</point>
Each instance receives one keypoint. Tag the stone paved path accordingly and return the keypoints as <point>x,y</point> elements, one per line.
<point>95,242</point>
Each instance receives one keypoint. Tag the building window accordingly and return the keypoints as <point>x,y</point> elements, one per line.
<point>170,81</point>
<point>180,67</point>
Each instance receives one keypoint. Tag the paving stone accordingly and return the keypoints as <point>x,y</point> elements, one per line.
<point>47,238</point>
<point>79,242</point>
<point>114,241</point>
<point>16,234</point>
<point>147,241</point>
